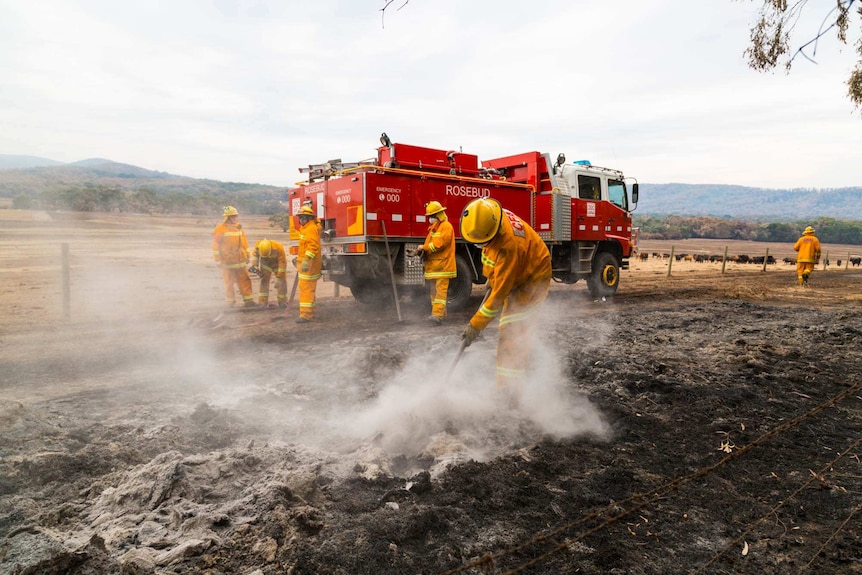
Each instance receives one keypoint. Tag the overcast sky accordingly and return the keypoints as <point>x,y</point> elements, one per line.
<point>250,90</point>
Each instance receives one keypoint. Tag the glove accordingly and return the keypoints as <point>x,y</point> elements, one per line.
<point>305,267</point>
<point>470,334</point>
<point>293,261</point>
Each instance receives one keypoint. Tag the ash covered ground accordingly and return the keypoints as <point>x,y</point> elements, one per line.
<point>711,424</point>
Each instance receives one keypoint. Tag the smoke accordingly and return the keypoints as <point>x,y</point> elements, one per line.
<point>420,413</point>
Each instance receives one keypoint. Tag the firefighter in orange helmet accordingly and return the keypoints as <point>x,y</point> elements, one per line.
<point>439,252</point>
<point>230,250</point>
<point>518,266</point>
<point>270,259</point>
<point>308,261</point>
<point>808,247</point>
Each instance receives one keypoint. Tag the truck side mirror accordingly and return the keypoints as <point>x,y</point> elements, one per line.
<point>635,193</point>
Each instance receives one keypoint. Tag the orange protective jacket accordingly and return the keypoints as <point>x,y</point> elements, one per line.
<point>230,247</point>
<point>309,249</point>
<point>809,249</point>
<point>516,256</point>
<point>276,262</point>
<point>439,248</point>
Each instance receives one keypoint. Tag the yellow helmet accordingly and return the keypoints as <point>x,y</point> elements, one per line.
<point>481,220</point>
<point>432,208</point>
<point>305,211</point>
<point>808,231</point>
<point>264,248</point>
<point>230,211</point>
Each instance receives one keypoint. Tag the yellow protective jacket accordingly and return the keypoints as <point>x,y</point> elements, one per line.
<point>309,249</point>
<point>809,249</point>
<point>276,262</point>
<point>230,248</point>
<point>439,248</point>
<point>516,256</point>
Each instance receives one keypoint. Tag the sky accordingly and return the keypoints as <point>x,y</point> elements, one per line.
<point>252,90</point>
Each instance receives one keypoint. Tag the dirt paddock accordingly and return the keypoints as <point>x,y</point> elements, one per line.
<point>702,421</point>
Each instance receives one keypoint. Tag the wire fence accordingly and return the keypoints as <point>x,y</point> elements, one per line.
<point>548,543</point>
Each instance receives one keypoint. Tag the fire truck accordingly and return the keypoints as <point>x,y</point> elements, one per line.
<point>372,213</point>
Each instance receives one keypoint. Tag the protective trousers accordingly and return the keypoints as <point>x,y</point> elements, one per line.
<point>803,270</point>
<point>439,292</point>
<point>280,287</point>
<point>307,289</point>
<point>517,321</point>
<point>237,276</point>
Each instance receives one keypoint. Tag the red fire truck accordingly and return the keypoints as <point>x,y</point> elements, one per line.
<point>373,212</point>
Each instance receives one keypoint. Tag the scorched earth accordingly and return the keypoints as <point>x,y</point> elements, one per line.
<point>703,422</point>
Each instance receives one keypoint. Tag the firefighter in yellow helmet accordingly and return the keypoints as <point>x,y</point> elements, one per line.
<point>230,250</point>
<point>439,253</point>
<point>808,247</point>
<point>270,258</point>
<point>518,266</point>
<point>308,261</point>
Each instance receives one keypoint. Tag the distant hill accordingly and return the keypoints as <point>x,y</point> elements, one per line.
<point>33,177</point>
<point>743,202</point>
<point>35,180</point>
<point>8,162</point>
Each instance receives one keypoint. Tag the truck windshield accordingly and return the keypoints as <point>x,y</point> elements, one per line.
<point>617,194</point>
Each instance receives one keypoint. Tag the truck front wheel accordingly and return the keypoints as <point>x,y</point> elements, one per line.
<point>605,277</point>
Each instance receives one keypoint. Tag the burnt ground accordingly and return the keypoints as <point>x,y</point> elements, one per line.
<point>706,424</point>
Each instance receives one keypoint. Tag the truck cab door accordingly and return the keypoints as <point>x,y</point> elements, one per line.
<point>588,212</point>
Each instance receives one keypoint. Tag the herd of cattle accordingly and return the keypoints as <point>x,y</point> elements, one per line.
<point>739,259</point>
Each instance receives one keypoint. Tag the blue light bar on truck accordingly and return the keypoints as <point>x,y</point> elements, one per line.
<point>582,163</point>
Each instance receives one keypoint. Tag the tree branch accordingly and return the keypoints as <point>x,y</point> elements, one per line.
<point>385,6</point>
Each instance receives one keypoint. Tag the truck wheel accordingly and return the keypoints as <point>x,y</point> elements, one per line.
<point>460,287</point>
<point>605,277</point>
<point>376,295</point>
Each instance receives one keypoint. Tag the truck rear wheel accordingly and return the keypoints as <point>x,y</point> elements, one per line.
<point>372,294</point>
<point>460,287</point>
<point>605,277</point>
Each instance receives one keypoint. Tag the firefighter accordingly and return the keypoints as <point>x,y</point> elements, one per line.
<point>518,266</point>
<point>439,253</point>
<point>308,261</point>
<point>270,258</point>
<point>230,250</point>
<point>808,247</point>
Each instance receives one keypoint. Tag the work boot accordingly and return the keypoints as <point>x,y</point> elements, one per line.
<point>302,320</point>
<point>282,304</point>
<point>435,320</point>
<point>250,304</point>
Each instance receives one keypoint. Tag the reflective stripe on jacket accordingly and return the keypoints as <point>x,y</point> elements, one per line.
<point>309,249</point>
<point>808,248</point>
<point>516,257</point>
<point>439,248</point>
<point>230,246</point>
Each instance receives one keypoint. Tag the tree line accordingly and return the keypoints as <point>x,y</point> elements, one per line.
<point>104,198</point>
<point>829,230</point>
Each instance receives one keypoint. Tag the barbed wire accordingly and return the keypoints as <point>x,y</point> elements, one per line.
<point>637,501</point>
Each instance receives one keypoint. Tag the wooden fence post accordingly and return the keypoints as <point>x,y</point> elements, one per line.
<point>670,261</point>
<point>67,297</point>
<point>724,260</point>
<point>765,259</point>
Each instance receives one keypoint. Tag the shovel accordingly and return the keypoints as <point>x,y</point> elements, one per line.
<point>463,345</point>
<point>292,293</point>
